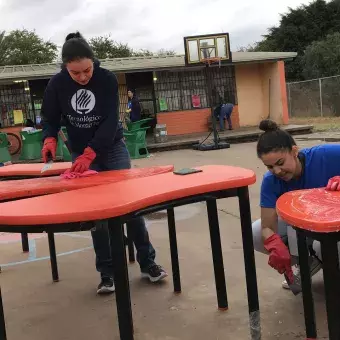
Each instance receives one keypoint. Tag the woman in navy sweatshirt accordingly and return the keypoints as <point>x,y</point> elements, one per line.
<point>85,96</point>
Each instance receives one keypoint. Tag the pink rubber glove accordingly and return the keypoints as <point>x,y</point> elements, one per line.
<point>83,162</point>
<point>333,184</point>
<point>279,256</point>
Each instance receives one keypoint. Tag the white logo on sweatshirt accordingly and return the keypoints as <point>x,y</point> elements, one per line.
<point>83,101</point>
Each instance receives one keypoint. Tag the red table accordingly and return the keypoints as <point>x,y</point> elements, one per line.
<point>56,212</point>
<point>18,189</point>
<point>314,213</point>
<point>26,170</point>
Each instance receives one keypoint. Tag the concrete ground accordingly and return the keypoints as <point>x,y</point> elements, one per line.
<point>37,309</point>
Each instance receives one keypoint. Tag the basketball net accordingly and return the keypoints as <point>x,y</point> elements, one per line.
<point>208,60</point>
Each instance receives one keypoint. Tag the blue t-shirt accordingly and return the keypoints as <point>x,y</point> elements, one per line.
<point>322,162</point>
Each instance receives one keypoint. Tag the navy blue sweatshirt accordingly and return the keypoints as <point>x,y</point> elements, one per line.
<point>90,112</point>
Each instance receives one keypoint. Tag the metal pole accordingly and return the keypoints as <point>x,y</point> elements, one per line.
<point>210,103</point>
<point>320,91</point>
<point>289,101</point>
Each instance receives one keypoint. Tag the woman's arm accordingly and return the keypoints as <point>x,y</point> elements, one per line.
<point>50,112</point>
<point>268,222</point>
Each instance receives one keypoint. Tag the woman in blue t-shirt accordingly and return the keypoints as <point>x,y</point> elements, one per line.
<point>289,169</point>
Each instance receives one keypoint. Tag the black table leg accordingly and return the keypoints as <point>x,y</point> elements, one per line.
<point>121,279</point>
<point>131,247</point>
<point>176,277</point>
<point>331,274</point>
<point>216,249</point>
<point>306,284</point>
<point>2,320</point>
<point>24,243</point>
<point>249,264</point>
<point>53,257</point>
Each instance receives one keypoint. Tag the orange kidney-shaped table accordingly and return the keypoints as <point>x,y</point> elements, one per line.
<point>314,213</point>
<point>26,170</point>
<point>19,189</point>
<point>30,170</point>
<point>56,212</point>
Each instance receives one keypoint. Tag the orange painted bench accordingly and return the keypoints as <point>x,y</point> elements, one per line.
<point>33,169</point>
<point>15,189</point>
<point>118,202</point>
<point>314,214</point>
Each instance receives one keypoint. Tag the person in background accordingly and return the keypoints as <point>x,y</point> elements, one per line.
<point>84,96</point>
<point>224,111</point>
<point>134,108</point>
<point>290,169</point>
<point>29,125</point>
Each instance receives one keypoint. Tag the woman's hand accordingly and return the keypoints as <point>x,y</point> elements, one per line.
<point>83,162</point>
<point>333,184</point>
<point>279,256</point>
<point>49,149</point>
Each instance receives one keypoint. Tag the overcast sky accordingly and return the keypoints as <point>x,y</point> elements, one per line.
<point>149,24</point>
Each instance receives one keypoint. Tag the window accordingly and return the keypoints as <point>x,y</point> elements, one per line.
<point>178,88</point>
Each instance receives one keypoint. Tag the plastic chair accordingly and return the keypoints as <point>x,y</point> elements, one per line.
<point>136,143</point>
<point>4,153</point>
<point>31,145</point>
<point>138,125</point>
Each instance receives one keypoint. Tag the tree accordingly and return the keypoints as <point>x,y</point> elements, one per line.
<point>322,58</point>
<point>104,47</point>
<point>22,47</point>
<point>143,53</point>
<point>164,52</point>
<point>299,28</point>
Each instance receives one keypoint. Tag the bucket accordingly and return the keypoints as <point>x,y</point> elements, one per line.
<point>160,133</point>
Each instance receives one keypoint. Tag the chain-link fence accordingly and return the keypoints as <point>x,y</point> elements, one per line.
<point>314,98</point>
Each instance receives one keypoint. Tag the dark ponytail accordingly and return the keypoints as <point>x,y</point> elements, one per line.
<point>76,48</point>
<point>273,139</point>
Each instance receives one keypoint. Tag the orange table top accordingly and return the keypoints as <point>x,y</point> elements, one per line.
<point>33,169</point>
<point>49,185</point>
<point>121,198</point>
<point>313,209</point>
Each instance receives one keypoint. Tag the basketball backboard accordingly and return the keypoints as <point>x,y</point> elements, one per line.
<point>200,47</point>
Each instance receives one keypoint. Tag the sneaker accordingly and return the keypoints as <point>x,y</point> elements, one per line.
<point>154,273</point>
<point>106,286</point>
<point>315,265</point>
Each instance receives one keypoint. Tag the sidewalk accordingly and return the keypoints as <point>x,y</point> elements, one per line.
<point>240,135</point>
<point>326,136</point>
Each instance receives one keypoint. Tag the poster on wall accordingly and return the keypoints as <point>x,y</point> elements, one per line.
<point>163,105</point>
<point>196,101</point>
<point>18,117</point>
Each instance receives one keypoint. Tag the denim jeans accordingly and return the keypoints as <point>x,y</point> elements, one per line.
<point>117,159</point>
<point>226,112</point>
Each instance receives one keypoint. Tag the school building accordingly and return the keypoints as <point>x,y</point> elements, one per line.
<point>169,91</point>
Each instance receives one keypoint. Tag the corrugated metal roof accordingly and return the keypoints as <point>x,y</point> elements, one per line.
<point>133,64</point>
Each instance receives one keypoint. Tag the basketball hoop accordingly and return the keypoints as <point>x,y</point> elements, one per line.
<point>212,60</point>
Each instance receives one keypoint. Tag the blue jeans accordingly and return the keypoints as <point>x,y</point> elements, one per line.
<point>225,112</point>
<point>117,159</point>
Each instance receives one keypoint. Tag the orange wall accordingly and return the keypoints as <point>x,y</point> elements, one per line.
<point>261,93</point>
<point>190,121</point>
<point>249,94</point>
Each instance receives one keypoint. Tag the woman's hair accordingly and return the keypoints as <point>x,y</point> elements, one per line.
<point>273,139</point>
<point>76,48</point>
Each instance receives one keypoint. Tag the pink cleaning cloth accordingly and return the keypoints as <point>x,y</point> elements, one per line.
<point>71,175</point>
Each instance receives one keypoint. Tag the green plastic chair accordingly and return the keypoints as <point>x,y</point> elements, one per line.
<point>66,154</point>
<point>4,154</point>
<point>136,143</point>
<point>138,125</point>
<point>31,145</point>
